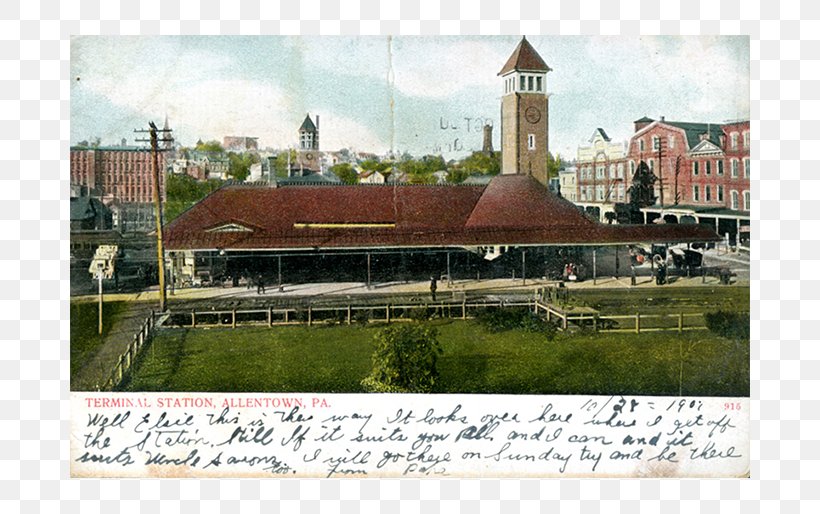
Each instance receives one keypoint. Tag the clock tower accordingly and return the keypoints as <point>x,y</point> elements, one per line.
<point>524,114</point>
<point>308,156</point>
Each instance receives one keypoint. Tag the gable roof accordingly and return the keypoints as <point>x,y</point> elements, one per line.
<point>601,131</point>
<point>694,130</point>
<point>524,58</point>
<point>510,210</point>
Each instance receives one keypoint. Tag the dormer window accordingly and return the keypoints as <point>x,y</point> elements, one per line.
<point>229,227</point>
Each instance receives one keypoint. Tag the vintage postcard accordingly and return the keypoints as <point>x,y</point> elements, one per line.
<point>410,256</point>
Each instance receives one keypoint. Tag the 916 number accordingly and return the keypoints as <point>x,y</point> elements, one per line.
<point>731,406</point>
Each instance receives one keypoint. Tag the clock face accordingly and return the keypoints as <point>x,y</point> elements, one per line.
<point>309,156</point>
<point>532,114</point>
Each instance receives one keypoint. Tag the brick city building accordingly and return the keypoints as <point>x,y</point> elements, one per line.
<point>702,170</point>
<point>122,178</point>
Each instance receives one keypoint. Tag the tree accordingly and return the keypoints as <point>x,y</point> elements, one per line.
<point>479,163</point>
<point>280,164</point>
<point>212,148</point>
<point>345,172</point>
<point>642,190</point>
<point>183,191</point>
<point>554,165</point>
<point>404,360</point>
<point>239,164</point>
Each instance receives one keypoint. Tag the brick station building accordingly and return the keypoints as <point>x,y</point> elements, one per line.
<point>513,226</point>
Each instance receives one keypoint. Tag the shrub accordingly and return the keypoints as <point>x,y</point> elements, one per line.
<point>362,317</point>
<point>404,360</point>
<point>421,313</point>
<point>731,325</point>
<point>495,319</point>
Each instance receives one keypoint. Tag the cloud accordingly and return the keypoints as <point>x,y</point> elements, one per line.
<point>337,131</point>
<point>427,68</point>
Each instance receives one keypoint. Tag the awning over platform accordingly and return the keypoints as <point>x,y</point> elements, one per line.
<point>512,210</point>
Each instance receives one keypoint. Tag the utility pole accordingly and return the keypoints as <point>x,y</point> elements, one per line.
<point>155,140</point>
<point>660,169</point>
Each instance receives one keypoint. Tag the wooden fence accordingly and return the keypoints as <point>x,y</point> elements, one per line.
<point>142,338</point>
<point>346,314</point>
<point>586,317</point>
<point>389,313</point>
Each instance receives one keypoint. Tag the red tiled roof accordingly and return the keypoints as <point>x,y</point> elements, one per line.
<point>510,210</point>
<point>524,58</point>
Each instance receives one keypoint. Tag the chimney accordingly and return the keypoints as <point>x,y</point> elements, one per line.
<point>487,147</point>
<point>663,118</point>
<point>317,123</point>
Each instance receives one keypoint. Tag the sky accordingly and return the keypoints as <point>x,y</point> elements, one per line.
<point>423,95</point>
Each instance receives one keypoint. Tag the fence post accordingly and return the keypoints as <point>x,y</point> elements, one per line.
<point>566,324</point>
<point>387,313</point>
<point>637,322</point>
<point>349,315</point>
<point>680,322</point>
<point>233,318</point>
<point>286,314</point>
<point>270,316</point>
<point>119,371</point>
<point>310,315</point>
<point>464,309</point>
<point>193,318</point>
<point>595,322</point>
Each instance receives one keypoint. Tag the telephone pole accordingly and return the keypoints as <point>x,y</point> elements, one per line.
<point>155,140</point>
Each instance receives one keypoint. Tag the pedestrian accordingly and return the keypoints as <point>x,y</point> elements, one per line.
<point>260,285</point>
<point>433,287</point>
<point>249,279</point>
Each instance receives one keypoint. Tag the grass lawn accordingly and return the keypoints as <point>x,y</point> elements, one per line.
<point>84,337</point>
<point>336,359</point>
<point>671,300</point>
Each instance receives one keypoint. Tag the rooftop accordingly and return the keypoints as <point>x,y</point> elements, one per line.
<point>524,58</point>
<point>510,210</point>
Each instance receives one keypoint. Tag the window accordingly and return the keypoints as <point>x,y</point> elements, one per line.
<point>538,84</point>
<point>599,172</point>
<point>620,170</point>
<point>611,171</point>
<point>734,200</point>
<point>523,83</point>
<point>621,192</point>
<point>651,165</point>
<point>694,167</point>
<point>747,206</point>
<point>708,167</point>
<point>671,142</point>
<point>734,168</point>
<point>531,141</point>
<point>529,84</point>
<point>640,145</point>
<point>599,190</point>
<point>746,139</point>
<point>695,193</point>
<point>583,194</point>
<point>746,170</point>
<point>656,143</point>
<point>720,194</point>
<point>719,167</point>
<point>734,140</point>
<point>707,193</point>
